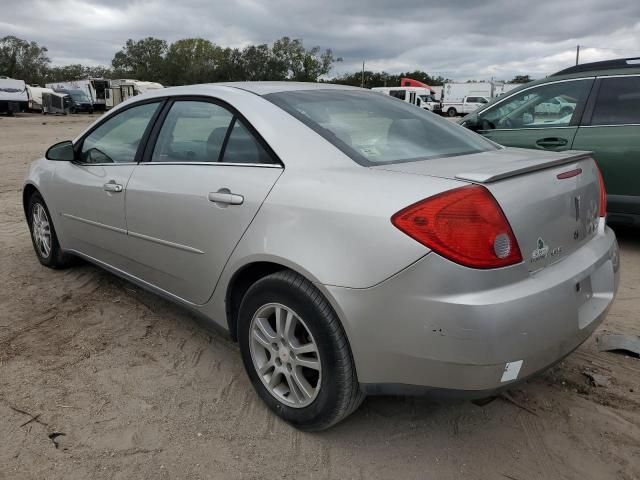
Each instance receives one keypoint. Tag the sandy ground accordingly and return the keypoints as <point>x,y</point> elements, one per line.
<point>141,389</point>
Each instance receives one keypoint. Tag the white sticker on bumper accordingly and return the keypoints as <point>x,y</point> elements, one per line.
<point>511,371</point>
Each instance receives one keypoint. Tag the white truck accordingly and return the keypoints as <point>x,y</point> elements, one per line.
<point>121,89</point>
<point>13,96</point>
<point>465,105</point>
<point>463,98</point>
<point>97,89</point>
<point>419,96</point>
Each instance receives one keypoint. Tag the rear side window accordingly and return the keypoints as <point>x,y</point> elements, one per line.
<point>375,129</point>
<point>544,106</point>
<point>618,102</point>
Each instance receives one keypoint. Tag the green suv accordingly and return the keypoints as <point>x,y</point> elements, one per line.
<point>593,106</point>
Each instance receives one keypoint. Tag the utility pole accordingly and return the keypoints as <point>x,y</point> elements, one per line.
<point>577,54</point>
<point>362,81</point>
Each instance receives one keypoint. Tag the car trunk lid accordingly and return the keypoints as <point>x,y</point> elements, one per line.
<point>550,199</point>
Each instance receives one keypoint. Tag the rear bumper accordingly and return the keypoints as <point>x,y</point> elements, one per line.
<point>446,327</point>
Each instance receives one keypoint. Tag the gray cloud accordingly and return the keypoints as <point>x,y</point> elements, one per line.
<point>458,39</point>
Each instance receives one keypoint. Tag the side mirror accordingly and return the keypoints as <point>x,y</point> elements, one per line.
<point>62,152</point>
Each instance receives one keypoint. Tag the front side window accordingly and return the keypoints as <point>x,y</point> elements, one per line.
<point>193,131</point>
<point>117,139</point>
<point>375,129</point>
<point>618,102</point>
<point>551,105</point>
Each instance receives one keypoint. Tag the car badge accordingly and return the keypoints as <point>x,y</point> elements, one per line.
<point>576,202</point>
<point>541,252</point>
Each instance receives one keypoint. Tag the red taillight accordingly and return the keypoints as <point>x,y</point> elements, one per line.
<point>603,195</point>
<point>465,225</point>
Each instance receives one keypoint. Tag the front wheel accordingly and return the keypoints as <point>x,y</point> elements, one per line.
<point>452,112</point>
<point>296,353</point>
<point>43,235</point>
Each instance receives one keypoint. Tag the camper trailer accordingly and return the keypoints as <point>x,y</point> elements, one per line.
<point>97,89</point>
<point>122,89</point>
<point>35,93</point>
<point>13,96</point>
<point>55,102</point>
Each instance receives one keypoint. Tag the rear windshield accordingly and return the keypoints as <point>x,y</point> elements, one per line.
<point>373,128</point>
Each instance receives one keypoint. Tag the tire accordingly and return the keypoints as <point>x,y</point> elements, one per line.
<point>336,392</point>
<point>37,215</point>
<point>452,112</point>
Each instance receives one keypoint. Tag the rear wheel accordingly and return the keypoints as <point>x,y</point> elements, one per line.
<point>296,353</point>
<point>452,112</point>
<point>43,235</point>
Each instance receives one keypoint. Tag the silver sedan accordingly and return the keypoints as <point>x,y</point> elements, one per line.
<point>351,243</point>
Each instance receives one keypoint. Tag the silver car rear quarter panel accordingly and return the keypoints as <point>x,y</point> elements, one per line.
<point>445,326</point>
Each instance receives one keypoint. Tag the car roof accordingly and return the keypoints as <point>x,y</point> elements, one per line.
<point>258,88</point>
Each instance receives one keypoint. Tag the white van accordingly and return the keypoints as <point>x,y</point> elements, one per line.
<point>419,96</point>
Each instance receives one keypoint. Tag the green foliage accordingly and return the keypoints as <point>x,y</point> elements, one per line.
<point>74,72</point>
<point>23,60</point>
<point>196,60</point>
<point>141,59</point>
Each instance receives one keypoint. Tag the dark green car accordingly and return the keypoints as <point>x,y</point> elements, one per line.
<point>593,106</point>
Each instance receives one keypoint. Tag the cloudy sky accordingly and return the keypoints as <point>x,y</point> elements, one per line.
<point>459,39</point>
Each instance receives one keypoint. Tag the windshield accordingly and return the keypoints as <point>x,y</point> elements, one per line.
<point>374,128</point>
<point>79,96</point>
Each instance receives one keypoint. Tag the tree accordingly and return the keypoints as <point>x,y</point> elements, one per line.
<point>259,63</point>
<point>521,79</point>
<point>300,64</point>
<point>23,60</point>
<point>142,59</point>
<point>76,72</point>
<point>192,60</point>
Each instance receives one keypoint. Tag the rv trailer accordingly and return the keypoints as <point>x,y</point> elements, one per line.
<point>122,89</point>
<point>97,89</point>
<point>35,97</point>
<point>13,96</point>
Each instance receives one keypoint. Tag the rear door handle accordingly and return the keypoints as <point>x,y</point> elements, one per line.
<point>224,196</point>
<point>112,187</point>
<point>552,142</point>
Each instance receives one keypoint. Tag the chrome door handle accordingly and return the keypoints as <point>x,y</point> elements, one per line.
<point>224,196</point>
<point>552,142</point>
<point>112,187</point>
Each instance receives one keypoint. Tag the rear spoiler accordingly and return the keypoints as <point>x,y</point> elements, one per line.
<point>512,169</point>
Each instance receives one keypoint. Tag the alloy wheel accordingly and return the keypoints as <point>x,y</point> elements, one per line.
<point>41,230</point>
<point>285,355</point>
